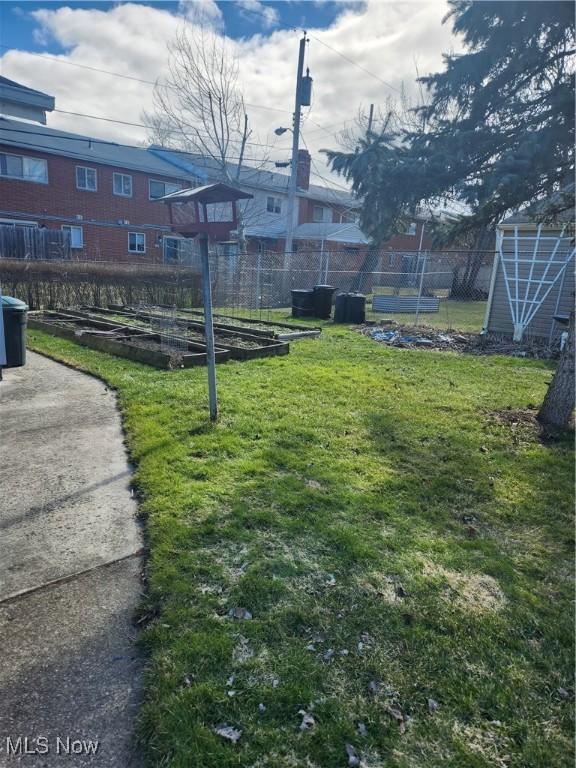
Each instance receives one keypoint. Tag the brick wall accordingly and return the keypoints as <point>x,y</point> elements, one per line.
<point>59,202</point>
<point>306,210</point>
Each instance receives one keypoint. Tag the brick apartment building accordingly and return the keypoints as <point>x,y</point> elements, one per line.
<point>101,193</point>
<point>325,217</point>
<point>104,195</point>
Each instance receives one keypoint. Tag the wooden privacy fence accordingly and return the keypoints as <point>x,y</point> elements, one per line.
<point>33,243</point>
<point>61,284</point>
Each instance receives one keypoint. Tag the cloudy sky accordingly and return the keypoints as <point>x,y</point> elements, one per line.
<point>359,53</point>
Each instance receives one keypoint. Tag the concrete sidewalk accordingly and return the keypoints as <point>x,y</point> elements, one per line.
<point>69,572</point>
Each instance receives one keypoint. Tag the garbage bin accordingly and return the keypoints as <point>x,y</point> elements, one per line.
<point>302,302</point>
<point>350,308</point>
<point>356,308</point>
<point>323,301</point>
<point>14,314</point>
<point>341,308</point>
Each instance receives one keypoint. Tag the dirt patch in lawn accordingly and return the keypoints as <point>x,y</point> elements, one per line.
<point>515,417</point>
<point>524,426</point>
<point>394,334</point>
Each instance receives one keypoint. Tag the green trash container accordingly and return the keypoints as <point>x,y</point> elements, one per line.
<point>15,316</point>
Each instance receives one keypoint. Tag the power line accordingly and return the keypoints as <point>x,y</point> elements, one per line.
<point>152,82</point>
<point>325,128</point>
<point>125,77</point>
<point>90,141</point>
<point>355,64</point>
<point>142,125</point>
<point>313,162</point>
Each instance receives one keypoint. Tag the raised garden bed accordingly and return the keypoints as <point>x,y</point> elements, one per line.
<point>240,344</point>
<point>269,328</point>
<point>121,340</point>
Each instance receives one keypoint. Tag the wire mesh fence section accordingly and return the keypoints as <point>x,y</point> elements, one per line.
<point>441,289</point>
<point>163,320</point>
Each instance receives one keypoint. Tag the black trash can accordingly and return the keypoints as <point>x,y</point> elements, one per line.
<point>350,308</point>
<point>356,308</point>
<point>323,301</point>
<point>14,314</point>
<point>302,302</point>
<point>341,308</point>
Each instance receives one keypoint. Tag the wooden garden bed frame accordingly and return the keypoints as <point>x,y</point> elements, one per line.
<point>121,345</point>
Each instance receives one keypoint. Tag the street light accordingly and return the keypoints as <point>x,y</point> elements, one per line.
<point>280,131</point>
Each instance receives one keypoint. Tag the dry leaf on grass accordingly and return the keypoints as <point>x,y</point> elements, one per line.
<point>308,721</point>
<point>353,759</point>
<point>228,732</point>
<point>399,716</point>
<point>239,614</point>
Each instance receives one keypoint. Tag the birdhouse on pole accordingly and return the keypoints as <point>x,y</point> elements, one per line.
<point>207,212</point>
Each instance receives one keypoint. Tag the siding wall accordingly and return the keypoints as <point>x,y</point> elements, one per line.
<point>500,318</point>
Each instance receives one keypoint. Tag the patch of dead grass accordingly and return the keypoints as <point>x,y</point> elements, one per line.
<point>475,592</point>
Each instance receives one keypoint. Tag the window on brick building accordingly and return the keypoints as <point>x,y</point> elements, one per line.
<point>136,242</point>
<point>122,184</point>
<point>86,178</point>
<point>274,205</point>
<point>76,235</point>
<point>25,168</point>
<point>321,214</point>
<point>411,228</point>
<point>349,217</point>
<point>161,188</point>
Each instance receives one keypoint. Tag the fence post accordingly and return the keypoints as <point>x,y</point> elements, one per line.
<point>2,339</point>
<point>420,288</point>
<point>259,280</point>
<point>209,329</point>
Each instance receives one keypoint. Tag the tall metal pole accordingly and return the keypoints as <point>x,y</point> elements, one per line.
<point>420,288</point>
<point>295,144</point>
<point>2,338</point>
<point>370,119</point>
<point>209,328</point>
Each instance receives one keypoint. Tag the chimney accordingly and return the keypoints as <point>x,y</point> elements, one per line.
<point>303,171</point>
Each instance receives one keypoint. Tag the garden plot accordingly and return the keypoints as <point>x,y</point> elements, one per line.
<point>240,344</point>
<point>270,328</point>
<point>123,341</point>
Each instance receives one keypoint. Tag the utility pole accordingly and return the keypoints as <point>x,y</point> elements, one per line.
<point>294,163</point>
<point>370,119</point>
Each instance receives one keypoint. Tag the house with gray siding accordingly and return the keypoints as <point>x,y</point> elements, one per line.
<point>532,285</point>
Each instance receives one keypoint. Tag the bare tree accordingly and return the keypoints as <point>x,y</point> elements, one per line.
<point>199,107</point>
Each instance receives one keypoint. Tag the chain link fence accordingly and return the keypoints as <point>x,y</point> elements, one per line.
<point>447,289</point>
<point>439,289</point>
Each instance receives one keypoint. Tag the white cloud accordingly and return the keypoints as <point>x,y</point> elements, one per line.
<point>267,15</point>
<point>385,38</point>
<point>204,12</point>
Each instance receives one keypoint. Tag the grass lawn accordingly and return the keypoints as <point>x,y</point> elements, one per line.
<point>405,553</point>
<point>458,315</point>
<point>465,316</point>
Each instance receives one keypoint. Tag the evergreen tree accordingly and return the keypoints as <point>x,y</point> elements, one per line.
<point>497,133</point>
